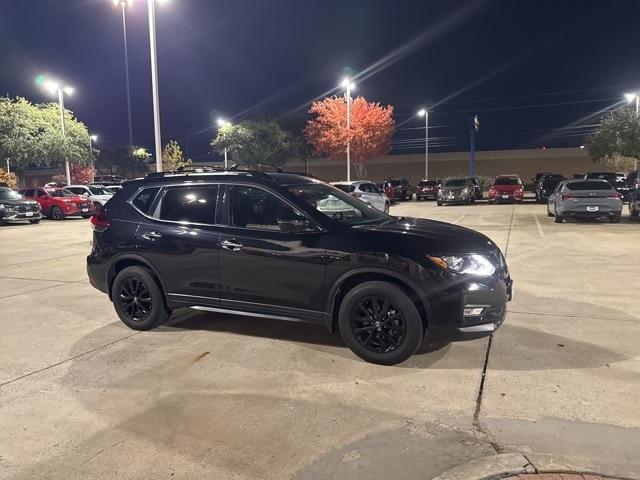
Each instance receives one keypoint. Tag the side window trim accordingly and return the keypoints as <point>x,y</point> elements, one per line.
<point>157,203</point>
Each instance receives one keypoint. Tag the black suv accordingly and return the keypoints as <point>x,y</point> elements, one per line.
<point>14,207</point>
<point>289,247</point>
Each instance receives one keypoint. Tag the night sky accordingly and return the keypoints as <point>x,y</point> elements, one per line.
<point>526,67</point>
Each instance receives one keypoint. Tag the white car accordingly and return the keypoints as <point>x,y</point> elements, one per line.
<point>98,195</point>
<point>367,192</point>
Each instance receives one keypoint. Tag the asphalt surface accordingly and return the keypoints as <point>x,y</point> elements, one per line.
<point>215,396</point>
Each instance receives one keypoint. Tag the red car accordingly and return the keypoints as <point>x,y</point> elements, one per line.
<point>59,203</point>
<point>506,188</point>
<point>428,189</point>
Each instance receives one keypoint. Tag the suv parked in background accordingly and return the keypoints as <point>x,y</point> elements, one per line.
<point>621,186</point>
<point>403,190</point>
<point>290,247</point>
<point>547,185</point>
<point>98,195</point>
<point>367,192</point>
<point>59,203</point>
<point>586,199</point>
<point>634,204</point>
<point>14,207</point>
<point>506,188</point>
<point>456,190</point>
<point>428,189</point>
<point>108,179</point>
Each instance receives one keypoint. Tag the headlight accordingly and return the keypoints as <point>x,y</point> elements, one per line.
<point>465,264</point>
<point>465,191</point>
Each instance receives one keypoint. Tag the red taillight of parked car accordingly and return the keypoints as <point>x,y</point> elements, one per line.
<point>100,221</point>
<point>566,196</point>
<point>615,196</point>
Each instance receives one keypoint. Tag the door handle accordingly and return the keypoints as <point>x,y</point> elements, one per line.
<point>152,235</point>
<point>231,245</point>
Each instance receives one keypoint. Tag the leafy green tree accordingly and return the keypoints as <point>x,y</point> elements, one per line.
<point>122,160</point>
<point>172,157</point>
<point>31,135</point>
<point>616,143</point>
<point>257,144</point>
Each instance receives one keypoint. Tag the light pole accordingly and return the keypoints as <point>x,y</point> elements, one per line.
<point>222,124</point>
<point>54,88</point>
<point>630,98</point>
<point>124,4</point>
<point>92,138</point>
<point>154,83</point>
<point>348,85</point>
<point>425,113</point>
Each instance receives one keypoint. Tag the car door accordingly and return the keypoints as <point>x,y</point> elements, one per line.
<point>179,238</point>
<point>271,256</point>
<point>44,199</point>
<point>367,194</point>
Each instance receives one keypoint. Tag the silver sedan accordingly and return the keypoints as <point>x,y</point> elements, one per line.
<point>585,198</point>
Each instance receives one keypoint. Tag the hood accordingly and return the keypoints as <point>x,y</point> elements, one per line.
<point>506,188</point>
<point>438,237</point>
<point>19,202</point>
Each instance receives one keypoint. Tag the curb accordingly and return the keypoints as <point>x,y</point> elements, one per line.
<point>494,467</point>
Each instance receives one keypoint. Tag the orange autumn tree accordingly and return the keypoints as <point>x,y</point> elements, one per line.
<point>372,127</point>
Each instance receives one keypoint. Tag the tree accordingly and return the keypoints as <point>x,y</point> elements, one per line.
<point>616,143</point>
<point>257,144</point>
<point>31,135</point>
<point>123,160</point>
<point>8,178</point>
<point>172,158</point>
<point>370,132</point>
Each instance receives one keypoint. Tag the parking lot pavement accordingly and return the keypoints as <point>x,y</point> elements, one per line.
<point>216,396</point>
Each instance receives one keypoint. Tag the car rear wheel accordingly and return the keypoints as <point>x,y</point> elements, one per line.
<point>380,323</point>
<point>138,300</point>
<point>439,203</point>
<point>633,213</point>
<point>56,213</point>
<point>558,218</point>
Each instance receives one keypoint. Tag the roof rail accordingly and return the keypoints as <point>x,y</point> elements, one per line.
<point>186,170</point>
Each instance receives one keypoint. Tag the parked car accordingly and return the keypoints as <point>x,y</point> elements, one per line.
<point>633,179</point>
<point>15,208</point>
<point>585,198</point>
<point>367,192</point>
<point>388,190</point>
<point>477,188</point>
<point>456,190</point>
<point>403,190</point>
<point>383,282</point>
<point>621,177</point>
<point>109,179</point>
<point>428,189</point>
<point>621,186</point>
<point>538,176</point>
<point>634,204</point>
<point>547,185</point>
<point>59,203</point>
<point>506,188</point>
<point>98,195</point>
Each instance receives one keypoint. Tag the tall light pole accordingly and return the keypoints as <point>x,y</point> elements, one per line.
<point>222,124</point>
<point>348,85</point>
<point>425,113</point>
<point>124,4</point>
<point>154,83</point>
<point>56,88</point>
<point>92,138</point>
<point>630,98</point>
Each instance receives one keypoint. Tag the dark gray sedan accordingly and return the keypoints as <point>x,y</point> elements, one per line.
<point>586,199</point>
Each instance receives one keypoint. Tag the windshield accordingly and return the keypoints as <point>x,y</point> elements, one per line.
<point>429,183</point>
<point>507,181</point>
<point>609,176</point>
<point>60,193</point>
<point>456,182</point>
<point>99,191</point>
<point>345,187</point>
<point>338,205</point>
<point>7,194</point>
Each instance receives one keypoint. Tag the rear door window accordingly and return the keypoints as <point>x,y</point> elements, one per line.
<point>190,204</point>
<point>254,208</point>
<point>144,199</point>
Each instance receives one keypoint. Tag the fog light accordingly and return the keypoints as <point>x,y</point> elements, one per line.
<point>473,311</point>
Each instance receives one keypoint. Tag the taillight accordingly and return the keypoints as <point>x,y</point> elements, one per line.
<point>566,196</point>
<point>615,196</point>
<point>100,221</point>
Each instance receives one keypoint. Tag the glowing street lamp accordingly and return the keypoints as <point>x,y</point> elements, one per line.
<point>631,97</point>
<point>425,113</point>
<point>222,123</point>
<point>124,4</point>
<point>348,85</point>
<point>55,88</point>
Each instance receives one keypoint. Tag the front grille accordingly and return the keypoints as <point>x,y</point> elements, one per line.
<point>21,209</point>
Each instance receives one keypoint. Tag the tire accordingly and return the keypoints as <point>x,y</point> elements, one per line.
<point>557,218</point>
<point>56,213</point>
<point>549,214</point>
<point>34,221</point>
<point>370,330</point>
<point>418,198</point>
<point>138,283</point>
<point>386,207</point>
<point>633,213</point>
<point>615,219</point>
<point>87,216</point>
<point>439,203</point>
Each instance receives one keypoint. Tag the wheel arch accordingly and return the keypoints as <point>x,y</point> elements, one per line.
<point>354,277</point>
<point>121,262</point>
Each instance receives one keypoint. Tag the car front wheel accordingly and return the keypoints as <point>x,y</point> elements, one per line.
<point>56,213</point>
<point>380,323</point>
<point>138,299</point>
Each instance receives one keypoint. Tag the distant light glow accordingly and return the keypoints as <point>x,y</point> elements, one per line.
<point>52,87</point>
<point>422,112</point>
<point>630,96</point>
<point>347,84</point>
<point>223,123</point>
<point>581,147</point>
<point>94,138</point>
<point>68,90</point>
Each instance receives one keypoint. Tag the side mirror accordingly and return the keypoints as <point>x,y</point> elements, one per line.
<point>294,225</point>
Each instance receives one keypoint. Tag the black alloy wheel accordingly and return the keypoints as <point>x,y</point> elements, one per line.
<point>380,323</point>
<point>138,300</point>
<point>56,213</point>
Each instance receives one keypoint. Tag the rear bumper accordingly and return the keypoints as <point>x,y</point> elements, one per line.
<point>585,211</point>
<point>97,273</point>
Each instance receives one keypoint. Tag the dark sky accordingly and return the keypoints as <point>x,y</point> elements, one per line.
<point>526,67</point>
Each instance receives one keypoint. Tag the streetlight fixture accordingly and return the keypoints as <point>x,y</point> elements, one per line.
<point>222,123</point>
<point>631,97</point>
<point>56,88</point>
<point>124,4</point>
<point>425,113</point>
<point>348,85</point>
<point>92,138</point>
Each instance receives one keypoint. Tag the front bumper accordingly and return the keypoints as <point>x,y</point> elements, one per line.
<point>79,211</point>
<point>506,197</point>
<point>11,216</point>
